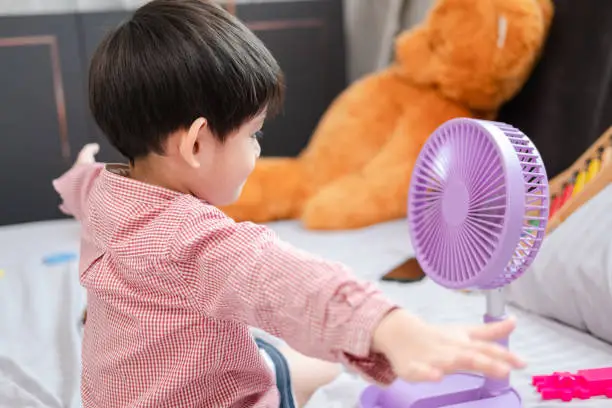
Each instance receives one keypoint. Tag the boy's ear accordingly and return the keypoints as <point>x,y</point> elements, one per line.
<point>189,144</point>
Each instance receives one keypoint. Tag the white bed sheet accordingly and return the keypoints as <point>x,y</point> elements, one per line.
<point>40,309</point>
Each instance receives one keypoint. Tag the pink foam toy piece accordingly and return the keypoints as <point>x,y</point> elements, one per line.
<point>566,386</point>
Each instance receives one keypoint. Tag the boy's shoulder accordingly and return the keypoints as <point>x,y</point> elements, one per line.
<point>186,216</point>
<point>121,199</point>
<point>192,210</point>
<point>149,225</point>
<point>205,229</point>
<point>194,222</point>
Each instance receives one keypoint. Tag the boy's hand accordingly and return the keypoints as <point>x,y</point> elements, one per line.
<point>74,185</point>
<point>419,351</point>
<point>87,155</point>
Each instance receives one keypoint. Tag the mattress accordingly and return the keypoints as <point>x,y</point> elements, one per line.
<point>41,303</point>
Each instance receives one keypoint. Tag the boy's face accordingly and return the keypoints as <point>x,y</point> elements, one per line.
<point>225,167</point>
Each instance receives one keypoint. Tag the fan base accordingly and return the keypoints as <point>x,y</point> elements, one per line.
<point>458,390</point>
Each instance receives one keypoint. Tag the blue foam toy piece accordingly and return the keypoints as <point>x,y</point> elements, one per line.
<point>59,258</point>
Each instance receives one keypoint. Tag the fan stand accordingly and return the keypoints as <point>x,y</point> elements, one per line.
<point>457,390</point>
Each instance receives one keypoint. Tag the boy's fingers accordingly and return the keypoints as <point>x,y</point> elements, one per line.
<point>493,331</point>
<point>418,372</point>
<point>88,152</point>
<point>91,149</point>
<point>499,353</point>
<point>482,363</point>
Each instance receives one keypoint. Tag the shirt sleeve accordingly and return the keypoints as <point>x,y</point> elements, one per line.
<point>243,271</point>
<point>74,187</point>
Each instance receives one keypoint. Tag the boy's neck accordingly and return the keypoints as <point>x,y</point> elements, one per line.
<point>157,171</point>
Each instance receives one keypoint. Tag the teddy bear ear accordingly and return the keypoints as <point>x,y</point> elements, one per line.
<point>415,56</point>
<point>548,12</point>
<point>479,52</point>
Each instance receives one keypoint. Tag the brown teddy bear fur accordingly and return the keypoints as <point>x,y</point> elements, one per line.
<point>466,59</point>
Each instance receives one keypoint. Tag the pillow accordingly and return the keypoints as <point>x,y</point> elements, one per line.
<point>571,278</point>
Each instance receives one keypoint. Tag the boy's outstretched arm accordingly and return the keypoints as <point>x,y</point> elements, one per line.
<point>74,185</point>
<point>242,271</point>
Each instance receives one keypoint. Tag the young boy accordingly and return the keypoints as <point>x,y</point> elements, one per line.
<point>182,89</point>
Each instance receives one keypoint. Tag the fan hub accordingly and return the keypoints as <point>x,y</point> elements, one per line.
<point>456,202</point>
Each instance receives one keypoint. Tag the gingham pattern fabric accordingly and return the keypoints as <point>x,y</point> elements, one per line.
<point>173,286</point>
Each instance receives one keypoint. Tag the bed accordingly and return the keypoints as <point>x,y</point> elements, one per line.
<point>40,308</point>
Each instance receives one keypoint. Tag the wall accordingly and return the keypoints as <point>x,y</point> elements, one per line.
<point>372,49</point>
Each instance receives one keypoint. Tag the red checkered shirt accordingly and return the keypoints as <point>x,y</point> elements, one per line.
<point>173,286</point>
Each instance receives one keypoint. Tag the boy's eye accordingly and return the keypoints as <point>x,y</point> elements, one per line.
<point>258,135</point>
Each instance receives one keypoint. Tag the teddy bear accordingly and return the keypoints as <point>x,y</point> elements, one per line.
<point>465,59</point>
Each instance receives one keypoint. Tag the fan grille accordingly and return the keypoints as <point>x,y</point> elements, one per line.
<point>458,207</point>
<point>536,206</point>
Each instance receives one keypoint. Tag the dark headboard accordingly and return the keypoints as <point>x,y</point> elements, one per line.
<point>567,103</point>
<point>44,118</point>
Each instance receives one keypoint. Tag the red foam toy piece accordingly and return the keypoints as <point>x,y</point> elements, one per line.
<point>566,386</point>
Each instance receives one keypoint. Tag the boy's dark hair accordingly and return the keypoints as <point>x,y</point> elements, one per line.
<point>175,61</point>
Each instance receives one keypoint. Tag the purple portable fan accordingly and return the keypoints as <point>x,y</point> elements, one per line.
<point>477,211</point>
